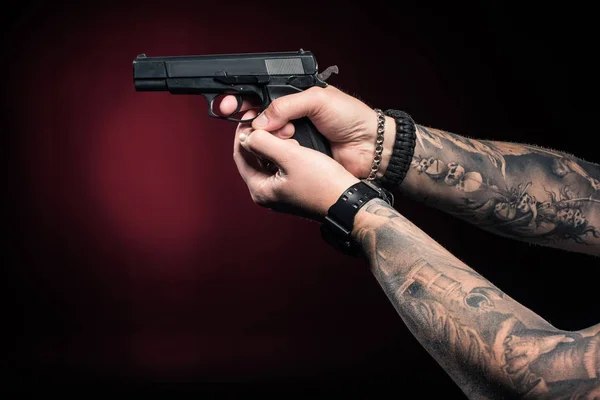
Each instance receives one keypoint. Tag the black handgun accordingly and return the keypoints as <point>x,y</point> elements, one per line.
<point>266,75</point>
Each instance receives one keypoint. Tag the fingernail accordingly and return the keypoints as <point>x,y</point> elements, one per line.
<point>243,137</point>
<point>261,120</point>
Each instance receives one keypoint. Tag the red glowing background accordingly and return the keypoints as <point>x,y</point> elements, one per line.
<point>137,251</point>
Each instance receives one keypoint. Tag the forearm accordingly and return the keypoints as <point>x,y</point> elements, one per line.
<point>491,345</point>
<point>519,191</point>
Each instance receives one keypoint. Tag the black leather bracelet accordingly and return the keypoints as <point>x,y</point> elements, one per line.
<point>339,221</point>
<point>402,154</point>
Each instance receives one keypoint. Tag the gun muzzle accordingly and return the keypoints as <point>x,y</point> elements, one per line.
<point>149,75</point>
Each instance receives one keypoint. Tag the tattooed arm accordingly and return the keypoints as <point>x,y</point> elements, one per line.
<point>515,190</point>
<point>489,344</point>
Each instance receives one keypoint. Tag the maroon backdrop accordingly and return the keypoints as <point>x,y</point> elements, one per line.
<point>137,253</point>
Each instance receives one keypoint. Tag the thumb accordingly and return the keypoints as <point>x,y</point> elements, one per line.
<point>265,145</point>
<point>291,107</point>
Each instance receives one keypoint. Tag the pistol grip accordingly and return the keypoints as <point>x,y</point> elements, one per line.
<point>308,136</point>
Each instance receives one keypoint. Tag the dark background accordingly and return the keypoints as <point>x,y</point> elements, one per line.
<point>135,256</point>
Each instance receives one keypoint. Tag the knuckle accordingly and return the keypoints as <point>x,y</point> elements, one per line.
<point>318,94</point>
<point>320,99</point>
<point>278,107</point>
<point>254,137</point>
<point>257,134</point>
<point>257,198</point>
<point>261,198</point>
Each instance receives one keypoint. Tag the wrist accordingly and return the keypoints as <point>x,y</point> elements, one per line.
<point>337,190</point>
<point>339,225</point>
<point>362,220</point>
<point>367,218</point>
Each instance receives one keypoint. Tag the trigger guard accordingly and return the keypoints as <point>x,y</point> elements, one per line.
<point>240,102</point>
<point>210,97</point>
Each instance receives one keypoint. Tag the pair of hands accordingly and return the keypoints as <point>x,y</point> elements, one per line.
<point>286,177</point>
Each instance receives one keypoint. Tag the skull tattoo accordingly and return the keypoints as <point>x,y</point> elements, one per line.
<point>455,173</point>
<point>470,182</point>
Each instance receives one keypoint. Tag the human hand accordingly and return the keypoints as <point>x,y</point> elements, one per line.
<point>286,177</point>
<point>349,124</point>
